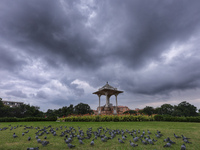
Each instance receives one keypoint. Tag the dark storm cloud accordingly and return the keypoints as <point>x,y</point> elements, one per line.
<point>98,41</point>
<point>144,30</point>
<point>46,28</point>
<point>176,76</point>
<point>9,60</point>
<point>17,93</point>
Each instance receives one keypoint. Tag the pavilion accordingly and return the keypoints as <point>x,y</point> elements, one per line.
<point>108,91</point>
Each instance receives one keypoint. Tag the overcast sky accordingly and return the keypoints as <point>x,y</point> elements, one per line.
<point>56,53</point>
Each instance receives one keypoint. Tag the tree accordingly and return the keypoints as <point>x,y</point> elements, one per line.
<point>130,112</point>
<point>50,113</point>
<point>185,109</point>
<point>166,109</point>
<point>5,111</point>
<point>64,111</point>
<point>82,109</point>
<point>70,110</point>
<point>141,111</point>
<point>157,110</point>
<point>1,103</point>
<point>148,110</point>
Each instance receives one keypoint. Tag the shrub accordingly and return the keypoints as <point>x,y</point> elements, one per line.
<point>125,118</point>
<point>11,119</point>
<point>115,118</point>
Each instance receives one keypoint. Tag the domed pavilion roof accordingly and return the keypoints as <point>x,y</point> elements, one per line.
<point>109,89</point>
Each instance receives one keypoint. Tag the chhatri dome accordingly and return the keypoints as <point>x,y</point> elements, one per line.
<point>108,91</point>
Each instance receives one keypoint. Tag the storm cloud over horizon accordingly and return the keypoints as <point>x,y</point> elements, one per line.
<point>57,53</point>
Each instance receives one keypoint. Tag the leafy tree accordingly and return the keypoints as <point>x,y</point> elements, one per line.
<point>70,110</point>
<point>50,113</point>
<point>64,111</point>
<point>1,103</point>
<point>148,110</point>
<point>82,109</point>
<point>166,109</point>
<point>130,112</point>
<point>141,111</point>
<point>185,109</point>
<point>158,110</point>
<point>27,111</point>
<point>5,111</point>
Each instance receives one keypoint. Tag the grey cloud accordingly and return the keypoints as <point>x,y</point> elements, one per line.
<point>73,87</point>
<point>17,93</point>
<point>102,41</point>
<point>177,76</point>
<point>153,27</point>
<point>41,94</point>
<point>9,60</point>
<point>50,31</point>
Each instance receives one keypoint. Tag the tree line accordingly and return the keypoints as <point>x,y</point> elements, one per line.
<point>21,111</point>
<point>25,110</point>
<point>182,109</point>
<point>79,109</point>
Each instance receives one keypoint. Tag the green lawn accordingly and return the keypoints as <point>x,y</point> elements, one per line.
<point>191,130</point>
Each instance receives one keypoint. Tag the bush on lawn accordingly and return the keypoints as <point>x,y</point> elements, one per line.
<point>106,118</point>
<point>12,119</point>
<point>176,119</point>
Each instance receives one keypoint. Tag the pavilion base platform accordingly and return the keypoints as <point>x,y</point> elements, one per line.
<point>111,110</point>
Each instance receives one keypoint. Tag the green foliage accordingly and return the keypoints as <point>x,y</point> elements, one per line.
<point>158,118</point>
<point>12,119</point>
<point>20,111</point>
<point>79,109</point>
<point>130,112</point>
<point>128,118</point>
<point>165,109</point>
<point>107,118</point>
<point>1,103</point>
<point>176,119</point>
<point>185,109</point>
<point>148,110</point>
<point>82,109</point>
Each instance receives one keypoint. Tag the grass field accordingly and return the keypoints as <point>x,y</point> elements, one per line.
<point>191,130</point>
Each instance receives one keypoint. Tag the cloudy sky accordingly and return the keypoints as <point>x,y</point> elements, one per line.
<point>57,53</point>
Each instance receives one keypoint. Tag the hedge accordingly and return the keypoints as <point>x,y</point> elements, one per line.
<point>12,119</point>
<point>128,118</point>
<point>176,119</point>
<point>107,118</point>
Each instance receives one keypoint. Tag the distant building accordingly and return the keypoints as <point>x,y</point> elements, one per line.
<point>122,109</point>
<point>137,109</point>
<point>95,112</point>
<point>12,103</point>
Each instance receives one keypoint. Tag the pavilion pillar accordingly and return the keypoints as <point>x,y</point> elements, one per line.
<point>116,99</point>
<point>99,112</point>
<point>107,99</point>
<point>115,111</point>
